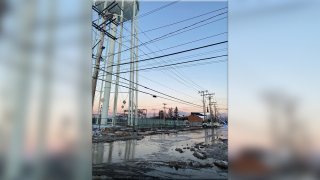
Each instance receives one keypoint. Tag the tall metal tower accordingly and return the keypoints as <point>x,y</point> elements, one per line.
<point>121,10</point>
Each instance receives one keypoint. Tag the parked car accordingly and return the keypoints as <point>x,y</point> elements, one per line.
<point>206,124</point>
<point>210,124</point>
<point>216,124</point>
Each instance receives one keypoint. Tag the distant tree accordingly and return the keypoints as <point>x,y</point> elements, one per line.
<point>161,114</point>
<point>170,113</point>
<point>184,117</point>
<point>176,113</point>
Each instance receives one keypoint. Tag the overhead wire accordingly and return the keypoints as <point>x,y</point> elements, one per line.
<point>181,21</point>
<point>150,93</point>
<point>189,26</point>
<point>174,77</point>
<point>196,60</point>
<point>146,87</point>
<point>176,32</point>
<point>156,82</point>
<point>157,9</point>
<point>180,29</point>
<point>189,42</point>
<point>199,87</point>
<point>115,74</point>
<point>191,56</point>
<point>170,54</point>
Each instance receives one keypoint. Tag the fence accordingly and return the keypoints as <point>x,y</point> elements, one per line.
<point>146,123</point>
<point>160,123</point>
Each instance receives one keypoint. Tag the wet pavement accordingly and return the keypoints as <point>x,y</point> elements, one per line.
<point>155,156</point>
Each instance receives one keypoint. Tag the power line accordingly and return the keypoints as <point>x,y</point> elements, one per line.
<point>179,76</point>
<point>157,9</point>
<point>196,60</point>
<point>152,41</point>
<point>178,22</point>
<point>180,92</point>
<point>146,87</point>
<point>193,55</point>
<point>181,44</point>
<point>188,82</point>
<point>173,32</point>
<point>196,64</point>
<point>161,70</point>
<point>148,93</point>
<point>175,53</point>
<point>174,72</point>
<point>176,32</point>
<point>173,77</point>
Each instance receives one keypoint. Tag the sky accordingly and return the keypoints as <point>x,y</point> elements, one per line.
<point>273,48</point>
<point>182,82</point>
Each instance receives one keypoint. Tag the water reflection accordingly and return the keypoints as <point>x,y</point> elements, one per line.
<point>206,138</point>
<point>108,152</point>
<point>97,153</point>
<point>210,136</point>
<point>129,150</point>
<point>153,147</point>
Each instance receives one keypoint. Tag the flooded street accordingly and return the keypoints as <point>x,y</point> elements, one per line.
<point>156,156</point>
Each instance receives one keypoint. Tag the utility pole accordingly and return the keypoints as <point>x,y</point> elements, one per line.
<point>97,63</point>
<point>204,103</point>
<point>210,96</point>
<point>164,114</point>
<point>164,111</point>
<point>107,18</point>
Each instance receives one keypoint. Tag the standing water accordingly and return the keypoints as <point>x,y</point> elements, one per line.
<point>156,150</point>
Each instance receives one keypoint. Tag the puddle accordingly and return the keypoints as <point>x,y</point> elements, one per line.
<point>161,148</point>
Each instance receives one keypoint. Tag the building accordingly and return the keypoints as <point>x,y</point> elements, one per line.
<point>195,119</point>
